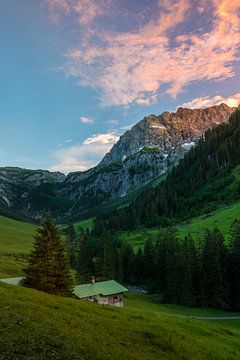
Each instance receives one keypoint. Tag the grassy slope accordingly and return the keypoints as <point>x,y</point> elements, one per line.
<point>222,218</point>
<point>39,326</point>
<point>84,224</point>
<point>15,243</point>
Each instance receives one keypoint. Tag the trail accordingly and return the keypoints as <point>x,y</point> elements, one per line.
<point>217,318</point>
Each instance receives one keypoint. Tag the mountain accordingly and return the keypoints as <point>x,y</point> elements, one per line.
<point>205,179</point>
<point>143,153</point>
<point>27,194</point>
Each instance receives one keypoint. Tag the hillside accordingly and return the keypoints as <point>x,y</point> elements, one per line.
<point>205,179</point>
<point>222,218</point>
<point>15,243</point>
<point>39,326</point>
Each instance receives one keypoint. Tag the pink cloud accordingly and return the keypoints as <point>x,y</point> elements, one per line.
<point>206,101</point>
<point>133,67</point>
<point>85,10</point>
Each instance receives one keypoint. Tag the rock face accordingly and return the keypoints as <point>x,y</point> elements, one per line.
<point>141,154</point>
<point>26,193</point>
<point>144,152</point>
<point>168,130</point>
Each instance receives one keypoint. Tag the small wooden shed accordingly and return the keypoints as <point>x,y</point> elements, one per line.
<point>104,292</point>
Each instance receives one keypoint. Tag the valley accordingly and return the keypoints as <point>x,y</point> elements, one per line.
<point>147,327</point>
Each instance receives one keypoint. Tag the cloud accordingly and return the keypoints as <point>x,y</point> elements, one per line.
<point>108,138</point>
<point>207,101</point>
<point>84,10</point>
<point>112,122</point>
<point>160,56</point>
<point>86,120</point>
<point>85,155</point>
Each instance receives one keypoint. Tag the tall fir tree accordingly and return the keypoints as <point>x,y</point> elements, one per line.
<point>234,266</point>
<point>214,271</point>
<point>48,267</point>
<point>71,244</point>
<point>85,265</point>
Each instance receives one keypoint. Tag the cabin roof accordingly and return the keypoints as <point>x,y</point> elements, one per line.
<point>103,288</point>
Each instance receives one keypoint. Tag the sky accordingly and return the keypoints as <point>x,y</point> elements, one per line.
<point>76,74</point>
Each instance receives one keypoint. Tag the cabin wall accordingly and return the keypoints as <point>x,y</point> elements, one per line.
<point>113,300</point>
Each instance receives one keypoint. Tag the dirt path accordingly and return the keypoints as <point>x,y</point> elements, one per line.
<point>217,318</point>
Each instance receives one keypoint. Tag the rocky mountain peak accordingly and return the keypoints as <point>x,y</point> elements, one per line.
<point>167,130</point>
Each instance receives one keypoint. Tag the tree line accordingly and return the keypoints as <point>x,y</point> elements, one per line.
<point>204,275</point>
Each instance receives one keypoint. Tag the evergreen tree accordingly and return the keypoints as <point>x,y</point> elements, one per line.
<point>149,256</point>
<point>190,271</point>
<point>85,266</point>
<point>106,261</point>
<point>48,267</point>
<point>128,263</point>
<point>139,266</point>
<point>234,266</point>
<point>214,270</point>
<point>71,244</point>
<point>173,268</point>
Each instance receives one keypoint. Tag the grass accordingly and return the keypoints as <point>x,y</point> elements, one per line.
<point>34,325</point>
<point>222,218</point>
<point>84,224</point>
<point>15,236</point>
<point>15,244</point>
<point>152,303</point>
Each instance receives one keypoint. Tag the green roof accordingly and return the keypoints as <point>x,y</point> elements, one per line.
<point>12,281</point>
<point>102,288</point>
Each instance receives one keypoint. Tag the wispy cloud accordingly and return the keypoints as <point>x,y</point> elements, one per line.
<point>85,155</point>
<point>156,57</point>
<point>84,10</point>
<point>86,120</point>
<point>113,122</point>
<point>207,101</point>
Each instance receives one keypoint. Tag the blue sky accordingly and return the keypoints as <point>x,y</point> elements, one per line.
<point>75,74</point>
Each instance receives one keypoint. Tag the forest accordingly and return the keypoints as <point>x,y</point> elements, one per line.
<point>204,275</point>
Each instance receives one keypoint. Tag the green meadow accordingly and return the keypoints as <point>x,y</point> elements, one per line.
<point>35,325</point>
<point>221,218</point>
<point>15,243</point>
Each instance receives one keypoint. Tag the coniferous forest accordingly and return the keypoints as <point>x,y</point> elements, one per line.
<point>204,275</point>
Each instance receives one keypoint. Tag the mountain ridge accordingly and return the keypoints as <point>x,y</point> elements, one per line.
<point>143,153</point>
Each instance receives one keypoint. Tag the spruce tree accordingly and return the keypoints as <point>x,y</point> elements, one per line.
<point>48,267</point>
<point>85,266</point>
<point>71,244</point>
<point>234,265</point>
<point>214,271</point>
